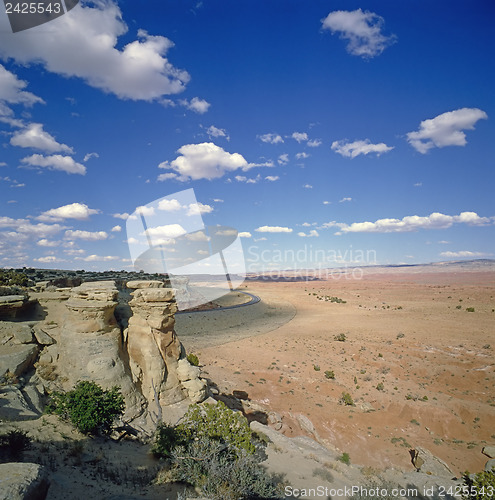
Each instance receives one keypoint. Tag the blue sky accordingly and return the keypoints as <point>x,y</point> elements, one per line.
<point>359,131</point>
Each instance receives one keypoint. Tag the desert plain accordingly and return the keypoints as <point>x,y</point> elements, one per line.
<point>412,346</point>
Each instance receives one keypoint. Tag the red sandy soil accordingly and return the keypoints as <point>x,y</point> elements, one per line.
<point>403,330</point>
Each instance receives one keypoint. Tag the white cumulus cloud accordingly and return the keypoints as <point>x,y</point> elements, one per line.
<point>356,148</point>
<point>271,138</point>
<point>445,129</point>
<point>196,104</point>
<point>272,178</point>
<point>312,234</point>
<point>465,253</point>
<point>273,229</point>
<point>362,30</point>
<point>85,235</point>
<point>283,159</point>
<point>116,229</point>
<point>78,211</point>
<point>33,136</point>
<point>12,90</point>
<point>204,161</point>
<point>300,136</point>
<point>55,162</point>
<point>412,223</point>
<point>213,131</point>
<point>245,234</point>
<point>84,45</point>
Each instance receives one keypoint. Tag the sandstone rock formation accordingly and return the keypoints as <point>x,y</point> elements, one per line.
<point>90,343</point>
<point>156,356</point>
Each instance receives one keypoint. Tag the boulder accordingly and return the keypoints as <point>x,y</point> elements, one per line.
<point>17,358</point>
<point>489,451</point>
<point>490,465</point>
<point>186,371</point>
<point>23,481</point>
<point>23,334</point>
<point>13,405</point>
<point>42,337</point>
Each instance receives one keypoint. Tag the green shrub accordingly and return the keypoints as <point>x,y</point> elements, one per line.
<point>341,337</point>
<point>212,449</point>
<point>470,309</point>
<point>88,407</point>
<point>193,359</point>
<point>330,374</point>
<point>220,473</point>
<point>380,387</point>
<point>10,277</point>
<point>482,485</point>
<point>219,423</point>
<point>345,458</point>
<point>346,399</point>
<point>316,368</point>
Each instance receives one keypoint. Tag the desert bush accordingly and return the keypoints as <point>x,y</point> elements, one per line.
<point>88,407</point>
<point>220,472</point>
<point>11,277</point>
<point>481,485</point>
<point>212,449</point>
<point>316,368</point>
<point>330,374</point>
<point>346,399</point>
<point>15,442</point>
<point>341,337</point>
<point>470,309</point>
<point>193,359</point>
<point>219,423</point>
<point>345,458</point>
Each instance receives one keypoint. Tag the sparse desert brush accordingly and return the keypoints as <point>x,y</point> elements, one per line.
<point>481,485</point>
<point>400,335</point>
<point>470,309</point>
<point>16,442</point>
<point>193,359</point>
<point>316,368</point>
<point>346,399</point>
<point>380,387</point>
<point>330,374</point>
<point>345,458</point>
<point>46,371</point>
<point>341,337</point>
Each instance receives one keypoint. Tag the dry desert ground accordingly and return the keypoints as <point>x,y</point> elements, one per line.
<point>417,363</point>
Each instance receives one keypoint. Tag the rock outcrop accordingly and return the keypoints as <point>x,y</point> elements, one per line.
<point>156,356</point>
<point>90,343</point>
<point>23,481</point>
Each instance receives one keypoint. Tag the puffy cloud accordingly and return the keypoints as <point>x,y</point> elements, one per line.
<point>272,178</point>
<point>445,129</point>
<point>356,148</point>
<point>312,234</point>
<point>196,104</point>
<point>273,229</point>
<point>327,203</point>
<point>162,235</point>
<point>271,138</point>
<point>169,205</point>
<point>283,159</point>
<point>116,229</point>
<point>123,216</point>
<point>343,200</point>
<point>245,234</point>
<point>49,259</point>
<point>84,44</point>
<point>302,156</point>
<point>47,243</point>
<point>465,253</point>
<point>11,90</point>
<point>361,29</point>
<point>98,258</point>
<point>204,161</point>
<point>86,235</point>
<point>213,131</point>
<point>314,143</point>
<point>300,136</point>
<point>55,162</point>
<point>247,180</point>
<point>307,186</point>
<point>33,136</point>
<point>412,223</point>
<point>199,209</point>
<point>78,211</point>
